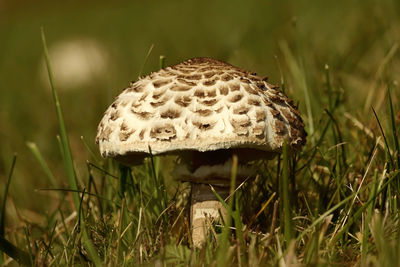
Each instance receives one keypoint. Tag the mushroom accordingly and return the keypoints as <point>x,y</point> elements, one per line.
<point>205,111</point>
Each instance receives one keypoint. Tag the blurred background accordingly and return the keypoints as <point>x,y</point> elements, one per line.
<point>98,47</point>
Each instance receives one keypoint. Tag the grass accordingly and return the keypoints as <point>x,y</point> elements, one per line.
<point>335,202</point>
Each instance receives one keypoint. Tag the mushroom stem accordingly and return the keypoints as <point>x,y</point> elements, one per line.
<point>205,204</point>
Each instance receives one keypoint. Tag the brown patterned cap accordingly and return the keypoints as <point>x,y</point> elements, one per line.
<point>201,104</point>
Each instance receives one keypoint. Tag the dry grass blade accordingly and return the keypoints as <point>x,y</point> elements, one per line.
<point>361,183</point>
<point>363,128</point>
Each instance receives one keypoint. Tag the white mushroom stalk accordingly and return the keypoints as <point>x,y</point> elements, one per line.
<point>204,111</point>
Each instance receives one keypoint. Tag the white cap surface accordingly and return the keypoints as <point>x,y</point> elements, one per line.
<point>200,104</point>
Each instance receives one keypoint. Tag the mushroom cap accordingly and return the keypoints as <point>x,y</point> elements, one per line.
<point>201,104</point>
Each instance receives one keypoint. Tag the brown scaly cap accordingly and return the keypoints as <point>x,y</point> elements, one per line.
<point>201,104</point>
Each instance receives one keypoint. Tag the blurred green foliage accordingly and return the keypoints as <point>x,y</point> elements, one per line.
<point>352,37</point>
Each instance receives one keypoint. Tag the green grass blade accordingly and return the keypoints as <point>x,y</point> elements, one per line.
<point>288,230</point>
<point>60,146</point>
<point>92,154</point>
<point>364,242</point>
<point>67,155</point>
<point>3,205</point>
<point>120,229</point>
<point>68,162</point>
<point>28,241</point>
<point>384,137</point>
<point>340,138</point>
<point>357,214</point>
<point>91,182</point>
<point>160,188</point>
<point>394,130</point>
<point>102,170</point>
<point>162,61</point>
<point>81,192</point>
<point>38,156</point>
<point>225,244</point>
<point>300,77</point>
<point>145,60</point>
<point>328,87</point>
<point>123,179</point>
<point>278,64</point>
<point>80,211</point>
<point>92,252</point>
<point>17,254</point>
<point>51,239</point>
<point>315,149</point>
<point>239,229</point>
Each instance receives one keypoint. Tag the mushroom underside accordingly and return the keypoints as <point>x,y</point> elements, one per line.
<point>194,159</point>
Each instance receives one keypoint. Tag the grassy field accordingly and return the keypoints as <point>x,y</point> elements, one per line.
<point>335,202</point>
